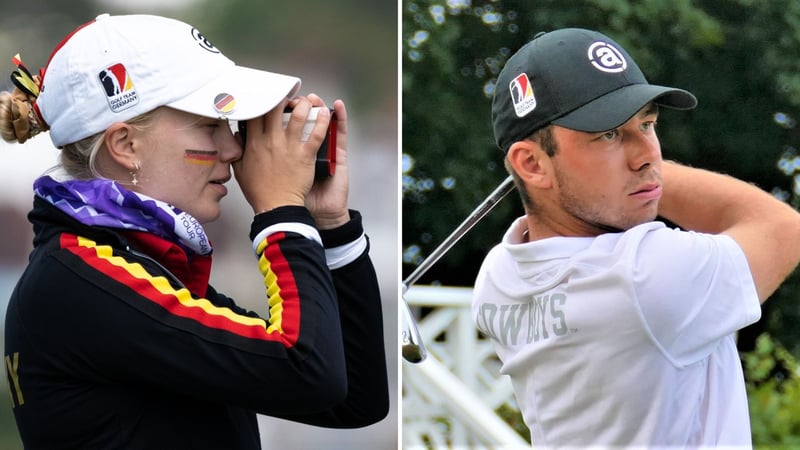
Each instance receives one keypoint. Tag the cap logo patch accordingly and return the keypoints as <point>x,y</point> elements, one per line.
<point>606,57</point>
<point>522,95</point>
<point>203,41</point>
<point>120,92</point>
<point>224,103</point>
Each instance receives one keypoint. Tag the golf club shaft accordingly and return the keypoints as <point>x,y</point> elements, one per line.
<point>488,204</point>
<point>413,347</point>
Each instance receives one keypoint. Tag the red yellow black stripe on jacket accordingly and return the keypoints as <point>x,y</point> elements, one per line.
<point>280,284</point>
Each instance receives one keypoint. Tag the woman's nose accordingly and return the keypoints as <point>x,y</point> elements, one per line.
<point>230,150</point>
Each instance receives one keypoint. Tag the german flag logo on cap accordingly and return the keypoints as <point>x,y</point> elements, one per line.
<point>224,103</point>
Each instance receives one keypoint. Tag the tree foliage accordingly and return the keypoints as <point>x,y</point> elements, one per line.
<point>773,391</point>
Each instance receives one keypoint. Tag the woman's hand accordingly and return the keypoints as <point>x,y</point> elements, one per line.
<point>327,199</point>
<point>277,168</point>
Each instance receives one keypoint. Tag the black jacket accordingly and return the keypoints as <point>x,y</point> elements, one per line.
<point>115,340</point>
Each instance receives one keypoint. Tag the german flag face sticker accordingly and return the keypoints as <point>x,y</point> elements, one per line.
<point>224,103</point>
<point>201,157</point>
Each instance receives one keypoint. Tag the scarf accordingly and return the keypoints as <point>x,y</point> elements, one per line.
<point>105,203</point>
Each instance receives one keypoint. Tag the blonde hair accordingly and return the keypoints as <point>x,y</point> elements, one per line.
<point>77,160</point>
<point>18,120</point>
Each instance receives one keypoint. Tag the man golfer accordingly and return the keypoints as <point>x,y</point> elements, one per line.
<point>615,329</point>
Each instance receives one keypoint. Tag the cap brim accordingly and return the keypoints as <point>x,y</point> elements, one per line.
<point>617,107</point>
<point>252,93</point>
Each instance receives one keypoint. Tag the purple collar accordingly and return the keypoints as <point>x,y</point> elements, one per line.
<point>105,203</point>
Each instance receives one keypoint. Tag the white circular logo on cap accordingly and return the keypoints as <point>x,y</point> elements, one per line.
<point>606,57</point>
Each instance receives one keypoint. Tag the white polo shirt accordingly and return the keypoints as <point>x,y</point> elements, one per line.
<point>625,339</point>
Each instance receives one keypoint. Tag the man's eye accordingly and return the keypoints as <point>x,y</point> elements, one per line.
<point>610,135</point>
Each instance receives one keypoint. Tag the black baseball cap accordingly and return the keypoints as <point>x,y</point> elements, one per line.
<point>578,79</point>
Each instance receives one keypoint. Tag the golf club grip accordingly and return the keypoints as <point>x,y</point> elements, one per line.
<point>412,346</point>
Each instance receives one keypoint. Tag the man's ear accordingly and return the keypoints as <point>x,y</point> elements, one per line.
<point>119,143</point>
<point>531,163</point>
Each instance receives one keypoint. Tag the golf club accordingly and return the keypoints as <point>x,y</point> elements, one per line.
<point>413,347</point>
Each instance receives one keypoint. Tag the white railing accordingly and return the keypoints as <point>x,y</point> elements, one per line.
<point>450,399</point>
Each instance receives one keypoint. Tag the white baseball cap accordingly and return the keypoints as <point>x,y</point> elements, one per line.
<point>115,68</point>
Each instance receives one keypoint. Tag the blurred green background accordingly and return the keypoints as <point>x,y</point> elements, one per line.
<point>741,58</point>
<point>345,49</point>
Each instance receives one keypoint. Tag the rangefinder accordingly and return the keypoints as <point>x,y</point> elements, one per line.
<point>326,155</point>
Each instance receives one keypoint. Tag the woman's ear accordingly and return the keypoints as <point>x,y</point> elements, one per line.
<point>531,163</point>
<point>119,143</point>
